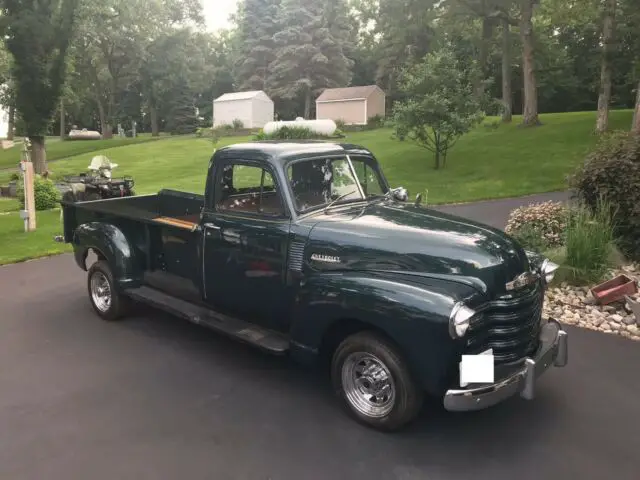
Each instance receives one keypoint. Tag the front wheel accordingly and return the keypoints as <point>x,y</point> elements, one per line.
<point>374,383</point>
<point>108,303</point>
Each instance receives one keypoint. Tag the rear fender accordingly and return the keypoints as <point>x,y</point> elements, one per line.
<point>110,243</point>
<point>414,315</point>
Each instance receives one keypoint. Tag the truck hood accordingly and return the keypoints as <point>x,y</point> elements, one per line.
<point>395,237</point>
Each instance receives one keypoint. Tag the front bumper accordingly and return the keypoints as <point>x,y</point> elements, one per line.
<point>553,350</point>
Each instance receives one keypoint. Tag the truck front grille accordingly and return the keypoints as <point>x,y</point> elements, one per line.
<point>510,325</point>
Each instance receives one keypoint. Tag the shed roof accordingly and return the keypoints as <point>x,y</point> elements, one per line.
<point>241,96</point>
<point>347,93</point>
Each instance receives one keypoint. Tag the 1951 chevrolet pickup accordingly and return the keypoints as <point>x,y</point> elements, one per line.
<point>303,249</point>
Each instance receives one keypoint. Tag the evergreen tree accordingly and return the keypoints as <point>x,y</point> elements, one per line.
<point>258,23</point>
<point>310,55</point>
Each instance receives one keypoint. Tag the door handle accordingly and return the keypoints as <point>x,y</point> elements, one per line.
<point>212,226</point>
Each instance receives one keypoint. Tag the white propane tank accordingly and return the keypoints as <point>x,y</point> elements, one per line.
<point>321,127</point>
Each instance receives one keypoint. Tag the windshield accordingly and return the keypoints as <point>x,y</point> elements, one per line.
<point>317,182</point>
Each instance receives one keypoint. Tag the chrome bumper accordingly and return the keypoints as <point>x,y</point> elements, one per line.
<point>553,350</point>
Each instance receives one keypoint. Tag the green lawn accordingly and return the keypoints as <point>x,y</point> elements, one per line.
<point>57,149</point>
<point>16,245</point>
<point>8,205</point>
<point>487,163</point>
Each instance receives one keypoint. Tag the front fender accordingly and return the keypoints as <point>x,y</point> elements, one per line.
<point>110,242</point>
<point>414,314</point>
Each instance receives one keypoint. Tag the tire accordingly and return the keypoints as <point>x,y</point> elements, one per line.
<point>110,305</point>
<point>399,400</point>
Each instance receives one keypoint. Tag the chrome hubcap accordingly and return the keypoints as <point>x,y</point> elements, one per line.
<point>368,384</point>
<point>100,291</point>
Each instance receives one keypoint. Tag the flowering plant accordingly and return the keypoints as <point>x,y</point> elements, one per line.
<point>541,224</point>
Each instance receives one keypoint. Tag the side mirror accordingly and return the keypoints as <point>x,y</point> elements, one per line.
<point>400,194</point>
<point>418,199</point>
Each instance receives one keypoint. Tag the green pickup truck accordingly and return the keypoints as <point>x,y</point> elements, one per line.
<point>303,249</point>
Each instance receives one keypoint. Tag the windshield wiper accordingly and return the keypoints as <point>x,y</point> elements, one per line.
<point>338,199</point>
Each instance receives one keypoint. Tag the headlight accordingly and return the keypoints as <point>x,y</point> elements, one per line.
<point>548,270</point>
<point>459,320</point>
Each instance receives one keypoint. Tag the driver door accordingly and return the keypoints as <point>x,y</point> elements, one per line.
<point>245,244</point>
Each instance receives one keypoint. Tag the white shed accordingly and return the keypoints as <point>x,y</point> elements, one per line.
<point>254,109</point>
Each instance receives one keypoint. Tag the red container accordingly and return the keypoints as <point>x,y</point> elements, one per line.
<point>614,289</point>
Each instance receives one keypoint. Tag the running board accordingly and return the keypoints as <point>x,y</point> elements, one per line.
<point>260,337</point>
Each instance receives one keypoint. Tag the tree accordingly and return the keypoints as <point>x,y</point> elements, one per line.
<point>113,42</point>
<point>406,33</point>
<point>608,32</point>
<point>507,94</point>
<point>635,126</point>
<point>258,23</point>
<point>38,34</point>
<point>173,58</point>
<point>7,92</point>
<point>217,73</point>
<point>442,103</point>
<point>309,57</point>
<point>530,109</point>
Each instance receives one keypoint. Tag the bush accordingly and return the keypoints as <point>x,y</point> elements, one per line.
<point>590,246</point>
<point>612,172</point>
<point>45,192</point>
<point>237,124</point>
<point>377,121</point>
<point>530,238</point>
<point>290,133</point>
<point>538,226</point>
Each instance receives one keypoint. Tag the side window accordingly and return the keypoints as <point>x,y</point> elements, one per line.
<point>367,177</point>
<point>248,189</point>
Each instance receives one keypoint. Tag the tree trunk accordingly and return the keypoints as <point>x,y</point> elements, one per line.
<point>105,127</point>
<point>153,116</point>
<point>38,154</point>
<point>483,56</point>
<point>604,98</point>
<point>307,104</point>
<point>438,150</point>
<point>11,123</point>
<point>62,123</point>
<point>530,113</point>
<point>635,126</point>
<point>507,96</point>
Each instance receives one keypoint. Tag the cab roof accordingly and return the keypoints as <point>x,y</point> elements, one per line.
<point>281,151</point>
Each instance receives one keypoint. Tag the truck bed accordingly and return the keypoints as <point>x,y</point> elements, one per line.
<point>168,207</point>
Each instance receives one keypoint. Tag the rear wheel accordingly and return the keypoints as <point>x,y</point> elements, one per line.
<point>374,383</point>
<point>107,302</point>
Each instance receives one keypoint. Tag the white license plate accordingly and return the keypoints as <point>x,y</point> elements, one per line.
<point>477,368</point>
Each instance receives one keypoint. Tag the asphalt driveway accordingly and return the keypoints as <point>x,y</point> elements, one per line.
<point>154,397</point>
<point>496,212</point>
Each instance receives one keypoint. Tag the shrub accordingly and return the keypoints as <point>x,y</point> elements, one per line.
<point>45,193</point>
<point>590,245</point>
<point>340,124</point>
<point>612,172</point>
<point>530,238</point>
<point>237,124</point>
<point>289,133</point>
<point>377,121</point>
<point>538,226</point>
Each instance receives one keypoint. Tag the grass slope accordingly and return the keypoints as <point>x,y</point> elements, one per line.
<point>487,163</point>
<point>57,149</point>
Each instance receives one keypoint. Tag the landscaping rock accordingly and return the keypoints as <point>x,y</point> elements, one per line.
<point>576,306</point>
